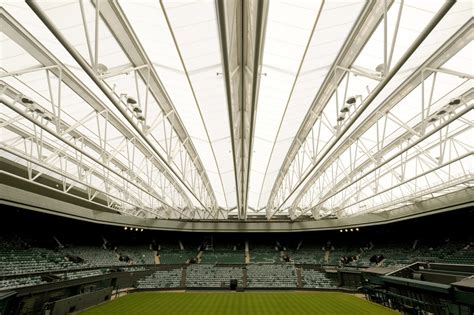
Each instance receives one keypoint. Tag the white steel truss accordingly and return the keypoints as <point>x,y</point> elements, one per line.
<point>146,106</point>
<point>316,149</point>
<point>240,109</point>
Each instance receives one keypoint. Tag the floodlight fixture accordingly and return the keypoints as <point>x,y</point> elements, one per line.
<point>131,100</point>
<point>351,100</point>
<point>101,68</point>
<point>26,100</point>
<point>455,101</point>
<point>345,109</point>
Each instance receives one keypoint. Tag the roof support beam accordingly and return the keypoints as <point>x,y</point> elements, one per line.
<point>367,23</point>
<point>105,167</point>
<point>455,44</point>
<point>132,48</point>
<point>241,28</point>
<point>387,77</point>
<point>342,184</point>
<point>23,38</point>
<point>115,19</point>
<point>108,158</point>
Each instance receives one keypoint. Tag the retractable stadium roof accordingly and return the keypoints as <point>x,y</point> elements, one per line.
<point>242,110</point>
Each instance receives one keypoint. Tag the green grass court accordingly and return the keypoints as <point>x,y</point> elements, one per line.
<point>248,303</point>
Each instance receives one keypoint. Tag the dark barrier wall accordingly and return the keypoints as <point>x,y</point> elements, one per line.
<point>80,301</point>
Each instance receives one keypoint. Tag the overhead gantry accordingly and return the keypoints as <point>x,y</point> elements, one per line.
<point>356,112</point>
<point>242,29</point>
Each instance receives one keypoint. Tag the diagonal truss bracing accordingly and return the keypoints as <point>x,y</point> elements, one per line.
<point>56,69</point>
<point>281,195</point>
<point>367,22</point>
<point>379,117</point>
<point>175,151</point>
<point>334,109</point>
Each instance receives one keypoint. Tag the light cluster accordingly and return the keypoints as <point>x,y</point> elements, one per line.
<point>349,230</point>
<point>131,229</point>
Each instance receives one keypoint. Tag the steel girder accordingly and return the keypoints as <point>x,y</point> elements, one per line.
<point>456,43</point>
<point>108,164</point>
<point>411,134</point>
<point>195,182</point>
<point>284,194</point>
<point>17,33</point>
<point>241,28</point>
<point>353,193</point>
<point>114,17</point>
<point>367,23</point>
<point>118,197</point>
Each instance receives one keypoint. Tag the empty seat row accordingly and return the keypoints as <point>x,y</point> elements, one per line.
<point>161,279</point>
<point>210,276</point>
<point>271,276</point>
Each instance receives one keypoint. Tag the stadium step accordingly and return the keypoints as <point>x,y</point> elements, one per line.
<point>299,283</point>
<point>244,277</point>
<point>183,277</point>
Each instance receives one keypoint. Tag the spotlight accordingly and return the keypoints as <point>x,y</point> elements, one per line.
<point>344,109</point>
<point>26,100</point>
<point>341,231</point>
<point>136,229</point>
<point>39,110</point>
<point>357,229</point>
<point>351,100</point>
<point>441,112</point>
<point>47,118</point>
<point>125,228</point>
<point>455,101</point>
<point>380,68</point>
<point>141,118</point>
<point>141,230</point>
<point>137,109</point>
<point>346,230</point>
<point>131,101</point>
<point>433,119</point>
<point>340,118</point>
<point>101,68</point>
<point>352,230</point>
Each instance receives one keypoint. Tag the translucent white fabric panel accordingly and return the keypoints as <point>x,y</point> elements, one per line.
<point>288,30</point>
<point>459,14</point>
<point>223,150</point>
<point>455,18</point>
<point>109,51</point>
<point>280,150</point>
<point>195,28</point>
<point>462,61</point>
<point>28,19</point>
<point>413,20</point>
<point>13,57</point>
<point>205,93</point>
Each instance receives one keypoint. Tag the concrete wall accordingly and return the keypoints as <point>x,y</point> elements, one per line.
<point>81,301</point>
